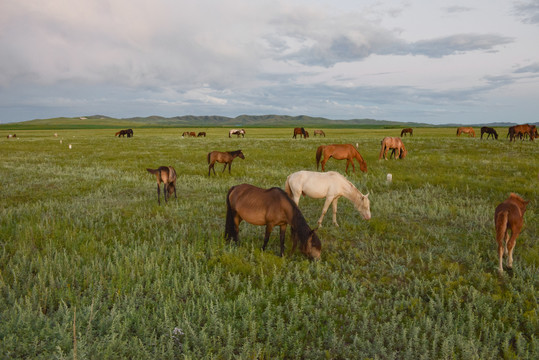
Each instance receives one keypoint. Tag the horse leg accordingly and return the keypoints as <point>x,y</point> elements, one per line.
<point>266,236</point>
<point>510,246</point>
<point>158,194</point>
<point>229,165</point>
<point>334,203</point>
<point>165,191</point>
<point>328,201</point>
<point>282,234</point>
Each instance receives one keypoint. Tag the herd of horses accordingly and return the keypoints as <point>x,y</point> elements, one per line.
<point>521,131</point>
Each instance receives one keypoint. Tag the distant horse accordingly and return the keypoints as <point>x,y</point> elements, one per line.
<point>394,143</point>
<point>167,176</point>
<point>466,130</point>
<point>237,132</point>
<point>122,133</point>
<point>340,152</point>
<point>185,134</point>
<point>202,133</point>
<point>223,157</point>
<point>300,132</point>
<point>11,136</point>
<point>269,207</point>
<point>509,215</point>
<point>521,131</point>
<point>192,134</point>
<point>306,134</point>
<point>407,131</point>
<point>331,186</point>
<point>319,132</point>
<point>490,131</point>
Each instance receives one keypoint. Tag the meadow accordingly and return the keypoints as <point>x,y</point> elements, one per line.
<point>92,267</point>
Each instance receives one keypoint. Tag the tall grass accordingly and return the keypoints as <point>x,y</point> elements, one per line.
<point>81,229</point>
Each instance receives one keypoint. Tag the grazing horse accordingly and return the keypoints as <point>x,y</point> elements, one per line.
<point>237,132</point>
<point>521,131</point>
<point>167,176</point>
<point>490,131</point>
<point>466,130</point>
<point>192,134</point>
<point>202,133</point>
<point>122,133</point>
<point>407,131</point>
<point>306,134</point>
<point>11,136</point>
<point>269,207</point>
<point>340,152</point>
<point>394,143</point>
<point>319,132</point>
<point>299,131</point>
<point>331,186</point>
<point>509,215</point>
<point>223,157</point>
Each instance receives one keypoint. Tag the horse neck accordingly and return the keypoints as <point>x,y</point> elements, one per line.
<point>352,193</point>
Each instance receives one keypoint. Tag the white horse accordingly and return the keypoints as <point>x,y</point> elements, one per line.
<point>237,132</point>
<point>330,185</point>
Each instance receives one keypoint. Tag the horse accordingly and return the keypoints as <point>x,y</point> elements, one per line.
<point>490,131</point>
<point>407,131</point>
<point>466,130</point>
<point>192,134</point>
<point>122,133</point>
<point>9,136</point>
<point>300,132</point>
<point>509,215</point>
<point>522,130</point>
<point>319,132</point>
<point>331,186</point>
<point>340,152</point>
<point>394,143</point>
<point>202,133</point>
<point>306,134</point>
<point>237,132</point>
<point>167,176</point>
<point>270,207</point>
<point>223,157</point>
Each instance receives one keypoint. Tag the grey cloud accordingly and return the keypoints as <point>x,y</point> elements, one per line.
<point>532,68</point>
<point>528,11</point>
<point>457,9</point>
<point>459,43</point>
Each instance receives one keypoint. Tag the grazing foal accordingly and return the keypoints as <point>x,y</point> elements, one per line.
<point>509,215</point>
<point>167,176</point>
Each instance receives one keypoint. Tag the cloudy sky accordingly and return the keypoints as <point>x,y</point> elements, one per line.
<point>429,61</point>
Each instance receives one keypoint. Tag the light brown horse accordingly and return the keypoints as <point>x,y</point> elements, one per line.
<point>466,130</point>
<point>395,144</point>
<point>319,132</point>
<point>509,215</point>
<point>270,208</point>
<point>167,176</point>
<point>340,152</point>
<point>223,157</point>
<point>407,131</point>
<point>299,131</point>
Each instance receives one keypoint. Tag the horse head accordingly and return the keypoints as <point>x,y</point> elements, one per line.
<point>313,247</point>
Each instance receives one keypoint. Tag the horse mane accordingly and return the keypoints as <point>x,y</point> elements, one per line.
<point>233,153</point>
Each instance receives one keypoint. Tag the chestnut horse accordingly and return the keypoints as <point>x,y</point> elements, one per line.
<point>407,131</point>
<point>490,131</point>
<point>223,157</point>
<point>340,152</point>
<point>269,207</point>
<point>394,143</point>
<point>509,215</point>
<point>299,131</point>
<point>466,130</point>
<point>167,176</point>
<point>521,131</point>
<point>319,132</point>
<point>331,186</point>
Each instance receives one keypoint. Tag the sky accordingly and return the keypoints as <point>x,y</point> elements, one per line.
<point>428,61</point>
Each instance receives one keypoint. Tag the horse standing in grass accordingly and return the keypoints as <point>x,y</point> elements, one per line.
<point>223,157</point>
<point>319,132</point>
<point>407,131</point>
<point>394,143</point>
<point>490,132</point>
<point>270,208</point>
<point>299,131</point>
<point>509,215</point>
<point>521,131</point>
<point>11,136</point>
<point>331,186</point>
<point>340,152</point>
<point>167,176</point>
<point>466,130</point>
<point>202,133</point>
<point>237,132</point>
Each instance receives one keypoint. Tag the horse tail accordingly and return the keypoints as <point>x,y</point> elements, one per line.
<point>319,152</point>
<point>382,149</point>
<point>209,157</point>
<point>230,226</point>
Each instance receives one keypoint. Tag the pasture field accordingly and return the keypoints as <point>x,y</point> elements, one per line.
<point>92,267</point>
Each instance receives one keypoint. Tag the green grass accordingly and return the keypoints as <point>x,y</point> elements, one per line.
<point>81,232</point>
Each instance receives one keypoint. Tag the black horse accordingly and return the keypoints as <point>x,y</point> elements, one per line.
<point>490,131</point>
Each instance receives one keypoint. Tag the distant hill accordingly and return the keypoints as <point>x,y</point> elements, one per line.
<point>105,122</point>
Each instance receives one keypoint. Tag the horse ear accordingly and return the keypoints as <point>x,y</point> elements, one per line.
<point>366,195</point>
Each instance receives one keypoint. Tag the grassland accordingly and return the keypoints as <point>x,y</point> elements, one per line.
<point>87,254</point>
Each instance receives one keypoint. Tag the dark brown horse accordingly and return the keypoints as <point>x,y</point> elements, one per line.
<point>509,215</point>
<point>490,132</point>
<point>300,132</point>
<point>407,131</point>
<point>167,176</point>
<point>270,208</point>
<point>121,133</point>
<point>319,132</point>
<point>340,152</point>
<point>202,133</point>
<point>223,157</point>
